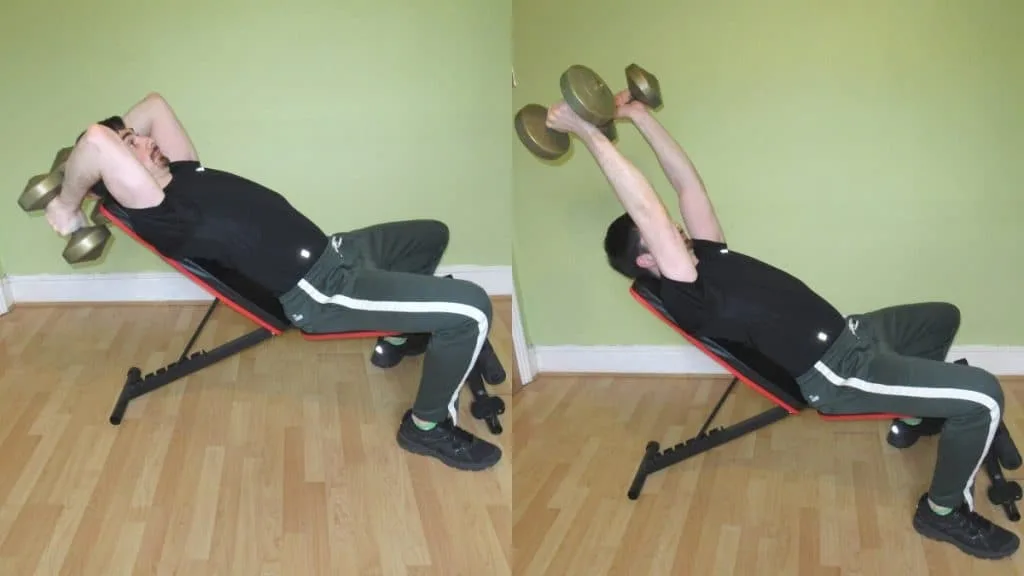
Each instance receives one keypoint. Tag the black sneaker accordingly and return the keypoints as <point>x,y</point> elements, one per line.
<point>903,435</point>
<point>968,531</point>
<point>388,355</point>
<point>449,444</point>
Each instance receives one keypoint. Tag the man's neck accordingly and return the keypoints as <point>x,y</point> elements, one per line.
<point>163,179</point>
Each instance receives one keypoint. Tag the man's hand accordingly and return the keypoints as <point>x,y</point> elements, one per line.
<point>65,218</point>
<point>627,108</point>
<point>563,118</point>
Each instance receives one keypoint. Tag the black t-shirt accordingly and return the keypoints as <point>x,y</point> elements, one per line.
<point>239,224</point>
<point>743,300</point>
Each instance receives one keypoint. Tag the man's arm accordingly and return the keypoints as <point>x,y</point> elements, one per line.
<point>642,203</point>
<point>101,155</point>
<point>694,204</point>
<point>154,117</point>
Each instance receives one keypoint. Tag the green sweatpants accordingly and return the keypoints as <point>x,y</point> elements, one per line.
<point>893,360</point>
<point>381,278</point>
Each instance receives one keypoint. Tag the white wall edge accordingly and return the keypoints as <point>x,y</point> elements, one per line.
<point>525,359</point>
<point>686,360</point>
<point>6,298</point>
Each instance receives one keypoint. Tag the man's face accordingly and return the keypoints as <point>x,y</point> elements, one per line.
<point>145,150</point>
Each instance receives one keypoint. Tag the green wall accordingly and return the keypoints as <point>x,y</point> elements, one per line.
<point>869,147</point>
<point>357,111</point>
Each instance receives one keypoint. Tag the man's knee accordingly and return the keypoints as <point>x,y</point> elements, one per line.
<point>988,386</point>
<point>948,314</point>
<point>437,231</point>
<point>478,298</point>
<point>473,306</point>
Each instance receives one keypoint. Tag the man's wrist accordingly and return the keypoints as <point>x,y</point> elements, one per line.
<point>642,118</point>
<point>588,131</point>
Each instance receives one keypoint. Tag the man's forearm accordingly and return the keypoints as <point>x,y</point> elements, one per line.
<point>101,156</point>
<point>678,167</point>
<point>81,172</point>
<point>140,117</point>
<point>694,204</point>
<point>154,117</point>
<point>644,206</point>
<point>632,188</point>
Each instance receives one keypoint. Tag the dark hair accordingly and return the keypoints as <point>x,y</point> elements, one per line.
<point>115,123</point>
<point>622,246</point>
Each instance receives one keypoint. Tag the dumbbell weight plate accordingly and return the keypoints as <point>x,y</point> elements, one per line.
<point>587,94</point>
<point>61,159</point>
<point>40,190</point>
<point>97,217</point>
<point>86,244</point>
<point>543,142</point>
<point>643,86</point>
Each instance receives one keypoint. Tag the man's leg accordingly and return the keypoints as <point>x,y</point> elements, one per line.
<point>457,314</point>
<point>859,375</point>
<point>923,330</point>
<point>413,246</point>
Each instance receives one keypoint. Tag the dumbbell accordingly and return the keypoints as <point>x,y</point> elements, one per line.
<point>96,216</point>
<point>643,87</point>
<point>86,243</point>
<point>585,92</point>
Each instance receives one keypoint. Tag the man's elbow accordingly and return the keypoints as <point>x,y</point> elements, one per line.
<point>99,135</point>
<point>156,99</point>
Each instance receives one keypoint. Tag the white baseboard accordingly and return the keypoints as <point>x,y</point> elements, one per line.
<point>174,287</point>
<point>685,359</point>
<point>6,299</point>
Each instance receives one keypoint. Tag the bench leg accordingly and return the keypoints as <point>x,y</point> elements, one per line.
<point>655,459</point>
<point>136,384</point>
<point>486,407</point>
<point>1003,492</point>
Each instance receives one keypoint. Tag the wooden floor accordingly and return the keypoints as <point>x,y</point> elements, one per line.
<point>282,461</point>
<point>278,461</point>
<point>800,497</point>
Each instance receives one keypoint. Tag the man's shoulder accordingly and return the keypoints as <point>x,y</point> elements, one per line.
<point>700,245</point>
<point>180,166</point>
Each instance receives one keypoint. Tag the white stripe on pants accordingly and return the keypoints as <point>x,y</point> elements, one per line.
<point>421,307</point>
<point>932,393</point>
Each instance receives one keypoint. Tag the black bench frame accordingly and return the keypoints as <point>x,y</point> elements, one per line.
<point>251,301</point>
<point>763,376</point>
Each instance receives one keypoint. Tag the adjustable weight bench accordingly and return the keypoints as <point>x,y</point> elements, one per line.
<point>766,378</point>
<point>253,302</point>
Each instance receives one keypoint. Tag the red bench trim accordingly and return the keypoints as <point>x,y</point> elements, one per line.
<point>736,373</point>
<point>234,306</point>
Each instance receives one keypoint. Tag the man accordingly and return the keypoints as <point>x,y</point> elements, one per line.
<point>890,360</point>
<point>379,278</point>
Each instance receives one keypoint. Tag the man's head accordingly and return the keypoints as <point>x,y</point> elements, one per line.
<point>626,251</point>
<point>143,148</point>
